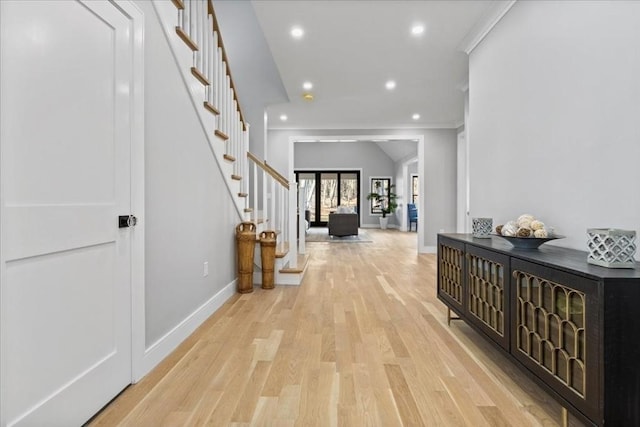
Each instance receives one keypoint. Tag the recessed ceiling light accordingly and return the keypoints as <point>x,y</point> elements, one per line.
<point>284,117</point>
<point>390,85</point>
<point>415,116</point>
<point>297,32</point>
<point>307,85</point>
<point>417,29</point>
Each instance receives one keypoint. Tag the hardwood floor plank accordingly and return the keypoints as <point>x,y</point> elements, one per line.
<point>403,397</point>
<point>362,342</point>
<point>251,393</point>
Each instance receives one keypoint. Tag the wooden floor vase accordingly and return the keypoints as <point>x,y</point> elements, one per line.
<point>268,257</point>
<point>246,240</point>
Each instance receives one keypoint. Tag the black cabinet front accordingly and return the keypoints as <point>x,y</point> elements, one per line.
<point>487,293</point>
<point>451,274</point>
<point>556,331</point>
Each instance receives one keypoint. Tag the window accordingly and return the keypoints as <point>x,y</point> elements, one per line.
<point>414,189</point>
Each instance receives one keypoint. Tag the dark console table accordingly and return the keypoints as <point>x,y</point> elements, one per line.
<point>574,327</point>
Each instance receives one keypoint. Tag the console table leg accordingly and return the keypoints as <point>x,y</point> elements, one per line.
<point>565,417</point>
<point>450,317</point>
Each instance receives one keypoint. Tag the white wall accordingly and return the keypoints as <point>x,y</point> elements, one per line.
<point>190,217</point>
<point>554,117</point>
<point>438,182</point>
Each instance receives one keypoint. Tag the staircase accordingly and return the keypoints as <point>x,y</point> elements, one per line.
<point>259,192</point>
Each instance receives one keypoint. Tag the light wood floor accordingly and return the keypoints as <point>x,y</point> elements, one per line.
<point>362,342</point>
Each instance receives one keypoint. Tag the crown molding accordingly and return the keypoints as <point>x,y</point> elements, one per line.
<point>484,26</point>
<point>444,125</point>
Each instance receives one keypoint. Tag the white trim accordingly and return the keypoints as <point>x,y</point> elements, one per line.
<point>421,201</point>
<point>342,127</point>
<point>289,279</point>
<point>389,226</point>
<point>428,250</point>
<point>172,339</point>
<point>3,277</point>
<point>484,26</point>
<point>136,17</point>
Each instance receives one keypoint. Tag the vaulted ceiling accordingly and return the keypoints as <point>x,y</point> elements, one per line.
<point>350,49</point>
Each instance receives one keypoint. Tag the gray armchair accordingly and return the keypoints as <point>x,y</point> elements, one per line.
<point>343,224</point>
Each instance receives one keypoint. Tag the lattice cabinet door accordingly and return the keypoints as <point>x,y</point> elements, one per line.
<point>487,296</point>
<point>451,273</point>
<point>556,333</point>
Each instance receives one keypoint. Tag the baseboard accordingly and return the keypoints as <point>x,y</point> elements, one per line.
<point>428,250</point>
<point>172,339</point>
<point>395,226</point>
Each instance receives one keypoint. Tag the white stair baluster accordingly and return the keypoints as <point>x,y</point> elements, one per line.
<point>214,67</point>
<point>193,20</point>
<point>254,190</point>
<point>186,16</point>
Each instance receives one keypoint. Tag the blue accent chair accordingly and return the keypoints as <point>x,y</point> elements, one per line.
<point>413,215</point>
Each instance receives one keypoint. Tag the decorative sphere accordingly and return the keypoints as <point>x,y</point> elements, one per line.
<point>509,229</point>
<point>524,219</point>
<point>537,225</point>
<point>523,232</point>
<point>540,233</point>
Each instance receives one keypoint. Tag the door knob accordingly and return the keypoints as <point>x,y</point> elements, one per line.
<point>125,221</point>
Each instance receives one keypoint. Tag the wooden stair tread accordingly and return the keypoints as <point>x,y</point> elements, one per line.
<point>221,134</point>
<point>236,177</point>
<point>303,260</point>
<point>199,76</point>
<point>243,195</point>
<point>209,107</point>
<point>229,157</point>
<point>186,39</point>
<point>248,210</point>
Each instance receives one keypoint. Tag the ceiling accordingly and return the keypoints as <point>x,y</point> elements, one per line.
<point>351,48</point>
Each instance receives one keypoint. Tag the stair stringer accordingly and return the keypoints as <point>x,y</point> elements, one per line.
<point>183,57</point>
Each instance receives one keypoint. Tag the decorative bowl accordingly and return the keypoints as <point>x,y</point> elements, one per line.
<point>528,242</point>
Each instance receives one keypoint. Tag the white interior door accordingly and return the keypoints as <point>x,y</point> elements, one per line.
<point>65,136</point>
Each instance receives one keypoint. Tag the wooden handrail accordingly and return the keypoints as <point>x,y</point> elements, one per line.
<point>216,27</point>
<point>280,176</point>
<point>268,169</point>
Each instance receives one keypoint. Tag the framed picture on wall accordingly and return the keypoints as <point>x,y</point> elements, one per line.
<point>381,186</point>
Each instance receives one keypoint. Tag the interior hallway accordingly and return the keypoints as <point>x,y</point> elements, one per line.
<point>362,342</point>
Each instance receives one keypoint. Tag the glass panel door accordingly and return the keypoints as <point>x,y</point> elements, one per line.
<point>328,195</point>
<point>325,191</point>
<point>349,190</point>
<point>307,182</point>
